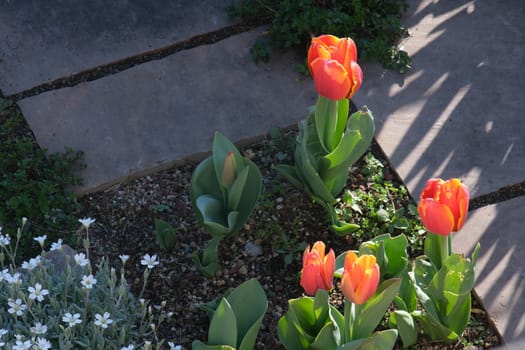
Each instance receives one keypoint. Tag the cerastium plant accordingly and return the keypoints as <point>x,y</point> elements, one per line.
<point>58,300</point>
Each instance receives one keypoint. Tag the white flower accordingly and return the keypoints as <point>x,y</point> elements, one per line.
<point>129,347</point>
<point>3,274</point>
<point>149,261</point>
<point>41,240</point>
<point>42,344</point>
<point>71,320</point>
<point>16,307</point>
<point>3,332</point>
<point>4,240</point>
<point>33,262</point>
<point>88,281</point>
<point>86,222</point>
<point>173,346</point>
<point>123,258</point>
<point>37,292</point>
<point>57,245</point>
<point>21,344</point>
<point>81,260</point>
<point>103,320</point>
<point>38,328</point>
<point>13,279</point>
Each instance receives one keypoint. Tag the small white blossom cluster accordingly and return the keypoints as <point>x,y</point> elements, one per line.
<point>85,304</point>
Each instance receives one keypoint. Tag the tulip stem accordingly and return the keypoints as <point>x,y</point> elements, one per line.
<point>351,313</point>
<point>348,321</point>
<point>445,248</point>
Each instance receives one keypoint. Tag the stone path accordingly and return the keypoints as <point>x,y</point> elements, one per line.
<point>457,113</point>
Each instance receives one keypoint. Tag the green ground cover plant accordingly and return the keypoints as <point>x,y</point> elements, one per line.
<point>34,183</point>
<point>374,25</point>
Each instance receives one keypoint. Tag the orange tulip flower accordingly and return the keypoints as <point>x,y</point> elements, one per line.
<point>333,64</point>
<point>318,269</point>
<point>443,206</point>
<point>360,277</point>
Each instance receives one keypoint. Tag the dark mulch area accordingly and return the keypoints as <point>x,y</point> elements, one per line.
<point>283,222</point>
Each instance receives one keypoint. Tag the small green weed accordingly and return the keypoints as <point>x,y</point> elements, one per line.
<point>281,145</point>
<point>282,242</point>
<point>166,234</point>
<point>33,183</point>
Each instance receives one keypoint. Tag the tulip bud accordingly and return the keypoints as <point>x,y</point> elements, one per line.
<point>228,170</point>
<point>360,277</point>
<point>443,206</point>
<point>318,269</point>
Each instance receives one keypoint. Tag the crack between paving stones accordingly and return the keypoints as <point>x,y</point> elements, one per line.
<point>500,195</point>
<point>131,61</point>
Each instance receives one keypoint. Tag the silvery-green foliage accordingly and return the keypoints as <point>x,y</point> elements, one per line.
<point>61,300</point>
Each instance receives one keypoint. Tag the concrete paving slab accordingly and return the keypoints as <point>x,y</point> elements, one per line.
<point>500,270</point>
<point>459,111</point>
<point>44,40</point>
<point>162,111</point>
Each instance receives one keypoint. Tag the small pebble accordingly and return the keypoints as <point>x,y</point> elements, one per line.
<point>252,249</point>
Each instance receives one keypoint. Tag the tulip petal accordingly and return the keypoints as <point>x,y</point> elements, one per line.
<point>328,40</point>
<point>347,286</point>
<point>357,78</point>
<point>311,279</point>
<point>319,247</point>
<point>368,285</point>
<point>331,79</point>
<point>463,203</point>
<point>431,189</point>
<point>345,53</point>
<point>436,217</point>
<point>329,269</point>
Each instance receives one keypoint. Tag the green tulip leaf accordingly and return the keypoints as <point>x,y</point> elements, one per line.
<point>433,248</point>
<point>249,303</point>
<point>250,194</point>
<point>202,182</point>
<point>351,345</point>
<point>375,308</point>
<point>212,210</point>
<point>325,338</point>
<point>207,267</point>
<point>405,325</point>
<point>342,228</point>
<point>424,271</point>
<point>233,220</point>
<point>236,190</point>
<point>311,323</point>
<point>306,153</point>
<point>383,340</point>
<point>396,257</point>
<point>326,122</point>
<point>290,173</point>
<point>290,333</point>
<point>433,328</point>
<point>333,167</point>
<point>450,290</point>
<point>223,326</point>
<point>198,345</point>
<point>207,261</point>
